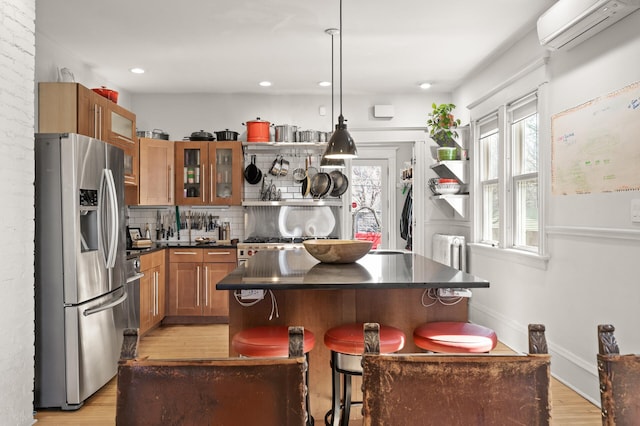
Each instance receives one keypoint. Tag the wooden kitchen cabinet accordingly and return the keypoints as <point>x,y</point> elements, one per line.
<point>152,290</point>
<point>194,273</point>
<point>73,108</point>
<point>209,173</point>
<point>157,172</point>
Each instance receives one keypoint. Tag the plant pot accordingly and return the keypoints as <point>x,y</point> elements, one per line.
<point>446,153</point>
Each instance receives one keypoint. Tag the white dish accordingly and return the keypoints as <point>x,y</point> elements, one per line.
<point>447,188</point>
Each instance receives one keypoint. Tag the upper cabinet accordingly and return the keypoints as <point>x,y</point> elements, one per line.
<point>209,173</point>
<point>157,170</point>
<point>73,108</point>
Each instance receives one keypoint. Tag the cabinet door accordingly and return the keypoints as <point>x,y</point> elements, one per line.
<point>216,301</point>
<point>156,172</point>
<point>158,299</point>
<point>121,132</point>
<point>146,300</point>
<point>70,108</point>
<point>192,181</point>
<point>185,289</point>
<point>225,162</point>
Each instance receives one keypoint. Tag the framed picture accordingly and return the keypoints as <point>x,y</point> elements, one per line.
<point>135,234</point>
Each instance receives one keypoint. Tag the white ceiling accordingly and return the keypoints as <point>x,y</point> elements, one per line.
<point>228,46</point>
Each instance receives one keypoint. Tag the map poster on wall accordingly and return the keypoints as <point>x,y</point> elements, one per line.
<point>596,146</point>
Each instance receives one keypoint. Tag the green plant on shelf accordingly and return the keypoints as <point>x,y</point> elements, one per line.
<point>442,124</point>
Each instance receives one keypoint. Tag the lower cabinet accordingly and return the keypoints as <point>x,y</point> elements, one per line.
<point>152,290</point>
<point>194,273</point>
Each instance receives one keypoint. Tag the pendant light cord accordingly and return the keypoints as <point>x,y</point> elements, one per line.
<point>340,58</point>
<point>333,123</point>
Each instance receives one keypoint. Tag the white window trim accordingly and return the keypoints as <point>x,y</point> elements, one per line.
<point>527,82</point>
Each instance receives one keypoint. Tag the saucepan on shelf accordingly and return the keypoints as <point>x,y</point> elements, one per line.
<point>201,136</point>
<point>226,135</point>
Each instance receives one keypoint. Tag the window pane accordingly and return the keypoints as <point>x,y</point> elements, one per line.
<point>489,157</point>
<point>490,213</point>
<point>366,192</point>
<point>525,145</point>
<point>526,213</point>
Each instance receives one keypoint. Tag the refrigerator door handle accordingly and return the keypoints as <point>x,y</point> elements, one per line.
<point>106,306</point>
<point>113,215</point>
<point>110,215</point>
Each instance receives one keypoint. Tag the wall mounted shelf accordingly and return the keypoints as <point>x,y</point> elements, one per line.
<point>459,202</point>
<point>453,169</point>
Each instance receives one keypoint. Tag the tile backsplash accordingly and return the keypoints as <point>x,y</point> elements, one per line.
<point>141,217</point>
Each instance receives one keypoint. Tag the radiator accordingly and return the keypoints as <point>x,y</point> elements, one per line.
<point>450,250</point>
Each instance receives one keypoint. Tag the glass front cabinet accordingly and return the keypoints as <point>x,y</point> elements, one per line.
<point>209,173</point>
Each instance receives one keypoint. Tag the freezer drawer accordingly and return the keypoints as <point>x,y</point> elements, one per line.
<point>89,357</point>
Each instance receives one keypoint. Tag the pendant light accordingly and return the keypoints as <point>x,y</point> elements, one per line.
<point>332,163</point>
<point>341,145</point>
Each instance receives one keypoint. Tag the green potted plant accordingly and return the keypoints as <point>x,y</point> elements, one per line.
<point>442,129</point>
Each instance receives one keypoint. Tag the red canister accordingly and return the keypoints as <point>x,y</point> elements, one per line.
<point>258,130</point>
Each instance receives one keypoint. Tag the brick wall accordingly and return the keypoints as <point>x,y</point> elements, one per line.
<point>17,62</point>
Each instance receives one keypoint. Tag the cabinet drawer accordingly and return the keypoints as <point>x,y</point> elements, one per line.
<point>178,255</point>
<point>151,260</point>
<point>219,255</point>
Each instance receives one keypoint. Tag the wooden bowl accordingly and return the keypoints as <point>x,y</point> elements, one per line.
<point>337,251</point>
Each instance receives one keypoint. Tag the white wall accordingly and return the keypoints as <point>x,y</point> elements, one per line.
<point>593,246</point>
<point>17,64</point>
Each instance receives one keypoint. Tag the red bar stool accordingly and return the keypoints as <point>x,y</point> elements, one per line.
<point>273,341</point>
<point>346,343</point>
<point>454,337</point>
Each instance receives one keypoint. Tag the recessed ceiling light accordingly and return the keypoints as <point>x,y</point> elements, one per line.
<point>425,86</point>
<point>265,83</point>
<point>137,70</point>
<point>324,84</point>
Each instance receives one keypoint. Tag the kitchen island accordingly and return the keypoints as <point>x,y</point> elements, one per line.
<point>387,287</point>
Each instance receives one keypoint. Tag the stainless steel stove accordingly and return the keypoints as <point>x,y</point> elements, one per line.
<point>252,245</point>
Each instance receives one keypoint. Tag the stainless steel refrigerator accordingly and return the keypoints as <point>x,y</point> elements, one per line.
<point>80,296</point>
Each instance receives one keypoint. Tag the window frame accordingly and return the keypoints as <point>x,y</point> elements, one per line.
<point>503,115</point>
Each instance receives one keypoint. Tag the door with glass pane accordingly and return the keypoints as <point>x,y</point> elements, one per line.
<point>369,201</point>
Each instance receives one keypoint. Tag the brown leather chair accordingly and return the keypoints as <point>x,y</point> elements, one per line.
<point>242,391</point>
<point>456,389</point>
<point>619,381</point>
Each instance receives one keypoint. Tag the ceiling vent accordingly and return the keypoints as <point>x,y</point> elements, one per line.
<point>570,22</point>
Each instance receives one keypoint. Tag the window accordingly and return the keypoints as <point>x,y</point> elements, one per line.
<point>508,193</point>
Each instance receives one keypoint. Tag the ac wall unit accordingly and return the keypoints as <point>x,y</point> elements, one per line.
<point>570,22</point>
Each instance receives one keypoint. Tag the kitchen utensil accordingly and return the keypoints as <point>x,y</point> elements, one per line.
<point>201,136</point>
<point>311,170</point>
<point>340,183</point>
<point>299,174</point>
<point>284,167</point>
<point>321,185</point>
<point>432,185</point>
<point>252,173</point>
<point>285,133</point>
<point>110,94</point>
<point>258,130</point>
<point>226,135</point>
<point>153,134</point>
<point>276,166</point>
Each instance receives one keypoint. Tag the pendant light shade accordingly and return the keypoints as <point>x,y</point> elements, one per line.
<point>332,163</point>
<point>341,145</point>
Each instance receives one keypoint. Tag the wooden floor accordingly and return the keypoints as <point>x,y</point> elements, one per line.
<point>209,341</point>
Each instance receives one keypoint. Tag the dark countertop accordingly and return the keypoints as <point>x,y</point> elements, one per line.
<point>173,244</point>
<point>297,269</point>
